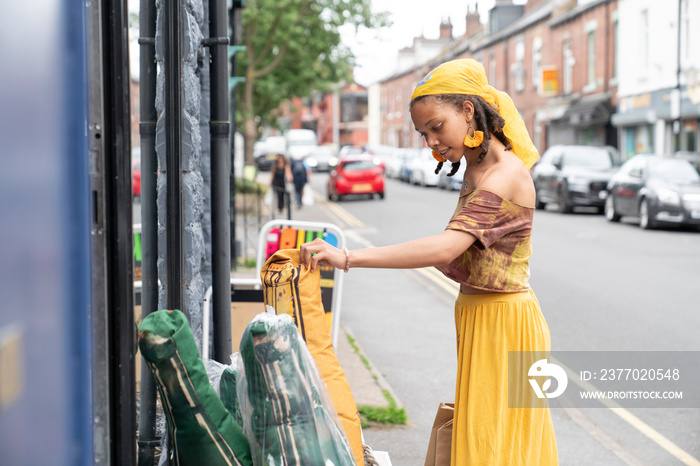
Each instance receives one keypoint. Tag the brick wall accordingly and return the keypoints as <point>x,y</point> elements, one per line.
<point>567,21</point>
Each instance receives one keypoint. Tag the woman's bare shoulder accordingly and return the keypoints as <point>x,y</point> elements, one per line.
<point>511,180</point>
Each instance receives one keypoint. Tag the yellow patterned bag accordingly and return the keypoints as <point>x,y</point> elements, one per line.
<point>292,289</point>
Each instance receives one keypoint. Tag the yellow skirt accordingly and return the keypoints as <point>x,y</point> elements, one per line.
<point>485,430</point>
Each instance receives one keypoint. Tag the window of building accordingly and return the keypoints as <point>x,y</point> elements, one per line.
<point>686,139</point>
<point>399,102</point>
<point>518,68</point>
<point>536,61</point>
<point>392,102</point>
<point>639,140</point>
<point>591,61</point>
<point>492,70</point>
<point>569,61</point>
<point>590,29</point>
<point>616,37</point>
<point>353,107</point>
<point>644,40</point>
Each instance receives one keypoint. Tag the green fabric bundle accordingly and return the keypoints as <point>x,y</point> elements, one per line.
<point>202,430</point>
<point>289,417</point>
<point>229,394</point>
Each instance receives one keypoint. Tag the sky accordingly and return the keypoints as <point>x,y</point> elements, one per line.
<point>375,50</point>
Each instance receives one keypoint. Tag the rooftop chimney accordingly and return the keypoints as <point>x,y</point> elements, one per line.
<point>445,29</point>
<point>473,21</point>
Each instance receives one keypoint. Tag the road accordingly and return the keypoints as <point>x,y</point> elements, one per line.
<point>602,287</point>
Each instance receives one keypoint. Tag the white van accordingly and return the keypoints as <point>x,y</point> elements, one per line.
<point>300,142</point>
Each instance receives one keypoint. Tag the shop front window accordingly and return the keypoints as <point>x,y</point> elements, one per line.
<point>639,140</point>
<point>689,134</point>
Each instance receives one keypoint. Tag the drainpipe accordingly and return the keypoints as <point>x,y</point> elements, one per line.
<point>219,127</point>
<point>676,96</point>
<point>173,142</point>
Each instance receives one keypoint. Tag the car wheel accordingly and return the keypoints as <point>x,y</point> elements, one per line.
<point>381,195</point>
<point>610,213</point>
<point>563,201</point>
<point>645,220</point>
<point>539,205</point>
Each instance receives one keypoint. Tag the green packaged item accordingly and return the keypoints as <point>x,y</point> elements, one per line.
<point>229,395</point>
<point>288,414</point>
<point>224,379</point>
<point>202,430</point>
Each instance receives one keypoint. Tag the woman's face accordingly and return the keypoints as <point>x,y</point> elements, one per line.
<point>442,126</point>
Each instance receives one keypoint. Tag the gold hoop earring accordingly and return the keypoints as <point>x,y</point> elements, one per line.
<point>473,139</point>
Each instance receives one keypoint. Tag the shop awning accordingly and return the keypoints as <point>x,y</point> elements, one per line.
<point>594,110</point>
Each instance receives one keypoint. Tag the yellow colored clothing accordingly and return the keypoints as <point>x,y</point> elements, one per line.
<point>499,259</point>
<point>467,76</point>
<point>485,430</point>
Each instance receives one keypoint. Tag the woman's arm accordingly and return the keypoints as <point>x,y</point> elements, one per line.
<point>425,252</point>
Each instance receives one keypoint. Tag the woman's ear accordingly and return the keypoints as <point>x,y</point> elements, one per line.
<point>468,109</point>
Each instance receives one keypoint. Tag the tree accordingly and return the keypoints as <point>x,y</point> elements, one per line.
<point>293,48</point>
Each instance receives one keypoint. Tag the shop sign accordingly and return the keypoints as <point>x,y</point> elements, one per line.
<point>549,84</point>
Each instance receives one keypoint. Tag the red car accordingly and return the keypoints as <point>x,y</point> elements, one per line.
<point>136,177</point>
<point>356,174</point>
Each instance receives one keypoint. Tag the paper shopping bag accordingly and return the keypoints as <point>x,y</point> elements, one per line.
<point>440,445</point>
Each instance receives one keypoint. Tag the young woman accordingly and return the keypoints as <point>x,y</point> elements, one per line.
<point>280,174</point>
<point>485,248</point>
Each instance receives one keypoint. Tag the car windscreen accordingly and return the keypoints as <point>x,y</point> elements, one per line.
<point>588,157</point>
<point>353,165</point>
<point>321,152</point>
<point>679,171</point>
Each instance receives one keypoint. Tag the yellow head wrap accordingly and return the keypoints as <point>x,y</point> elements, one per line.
<point>467,76</point>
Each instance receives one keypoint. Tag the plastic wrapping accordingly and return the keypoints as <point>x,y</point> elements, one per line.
<point>214,369</point>
<point>224,380</point>
<point>288,413</point>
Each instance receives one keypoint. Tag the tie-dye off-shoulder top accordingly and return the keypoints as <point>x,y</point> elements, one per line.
<point>498,261</point>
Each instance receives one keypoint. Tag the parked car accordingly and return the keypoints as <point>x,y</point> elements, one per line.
<point>136,172</point>
<point>407,164</point>
<point>355,174</point>
<point>454,182</point>
<point>266,158</point>
<point>394,162</point>
<point>423,169</point>
<point>692,157</point>
<point>380,152</point>
<point>271,143</point>
<point>571,176</point>
<point>321,159</point>
<point>657,189</point>
<point>300,142</point>
<point>350,150</point>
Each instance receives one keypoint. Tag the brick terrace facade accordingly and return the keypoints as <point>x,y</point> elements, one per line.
<point>513,58</point>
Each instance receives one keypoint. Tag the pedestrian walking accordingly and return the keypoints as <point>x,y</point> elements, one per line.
<point>280,174</point>
<point>300,175</point>
<point>486,248</point>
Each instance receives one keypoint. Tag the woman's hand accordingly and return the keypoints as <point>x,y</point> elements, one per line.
<point>322,252</point>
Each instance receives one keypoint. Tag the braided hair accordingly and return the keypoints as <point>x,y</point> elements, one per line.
<point>488,120</point>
